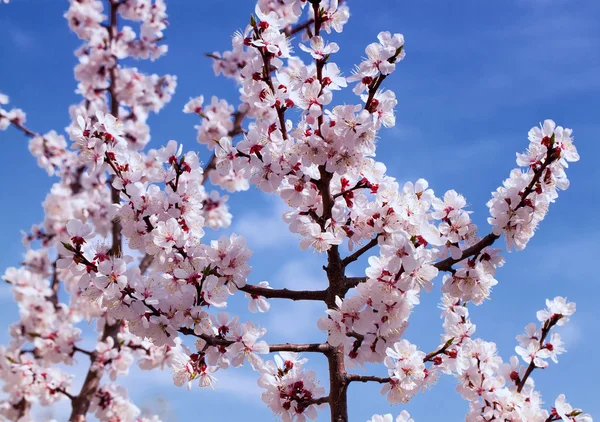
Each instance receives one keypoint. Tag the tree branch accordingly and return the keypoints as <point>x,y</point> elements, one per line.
<point>320,400</point>
<point>545,330</point>
<point>145,263</point>
<point>66,393</point>
<point>210,340</point>
<point>21,127</point>
<point>285,293</point>
<point>429,357</point>
<point>488,240</point>
<point>298,348</point>
<point>266,77</point>
<point>289,31</point>
<point>81,403</point>
<point>351,258</point>
<point>23,408</point>
<point>85,352</point>
<point>55,284</point>
<point>446,264</point>
<point>238,120</point>
<point>366,378</point>
<point>273,348</point>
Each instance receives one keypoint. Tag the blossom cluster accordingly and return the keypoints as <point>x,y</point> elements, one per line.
<point>338,195</point>
<point>498,390</point>
<point>49,149</point>
<point>290,389</point>
<point>99,72</point>
<point>48,326</point>
<point>46,334</point>
<point>404,416</point>
<point>522,202</point>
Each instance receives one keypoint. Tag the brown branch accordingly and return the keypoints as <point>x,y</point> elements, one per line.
<point>213,56</point>
<point>351,282</point>
<point>366,378</point>
<point>66,393</point>
<point>299,348</point>
<point>21,127</point>
<point>320,400</point>
<point>292,30</point>
<point>273,348</point>
<point>446,264</point>
<point>210,340</point>
<point>117,240</point>
<point>285,293</point>
<point>210,166</point>
<point>429,357</point>
<point>23,407</point>
<point>55,284</point>
<point>266,77</point>
<point>338,384</point>
<point>351,258</point>
<point>85,352</point>
<point>81,403</point>
<point>489,239</point>
<point>145,263</point>
<point>34,352</point>
<point>377,82</point>
<point>238,120</point>
<point>373,89</point>
<point>358,186</point>
<point>545,330</point>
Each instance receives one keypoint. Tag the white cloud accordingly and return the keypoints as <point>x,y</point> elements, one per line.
<point>20,38</point>
<point>267,229</point>
<point>295,322</point>
<point>570,333</point>
<point>6,294</point>
<point>302,274</point>
<point>300,317</point>
<point>243,386</point>
<point>542,3</point>
<point>576,257</point>
<point>60,412</point>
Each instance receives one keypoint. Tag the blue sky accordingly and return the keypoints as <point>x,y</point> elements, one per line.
<point>476,77</point>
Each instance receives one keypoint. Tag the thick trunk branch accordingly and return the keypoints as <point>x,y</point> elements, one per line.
<point>81,402</point>
<point>23,408</point>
